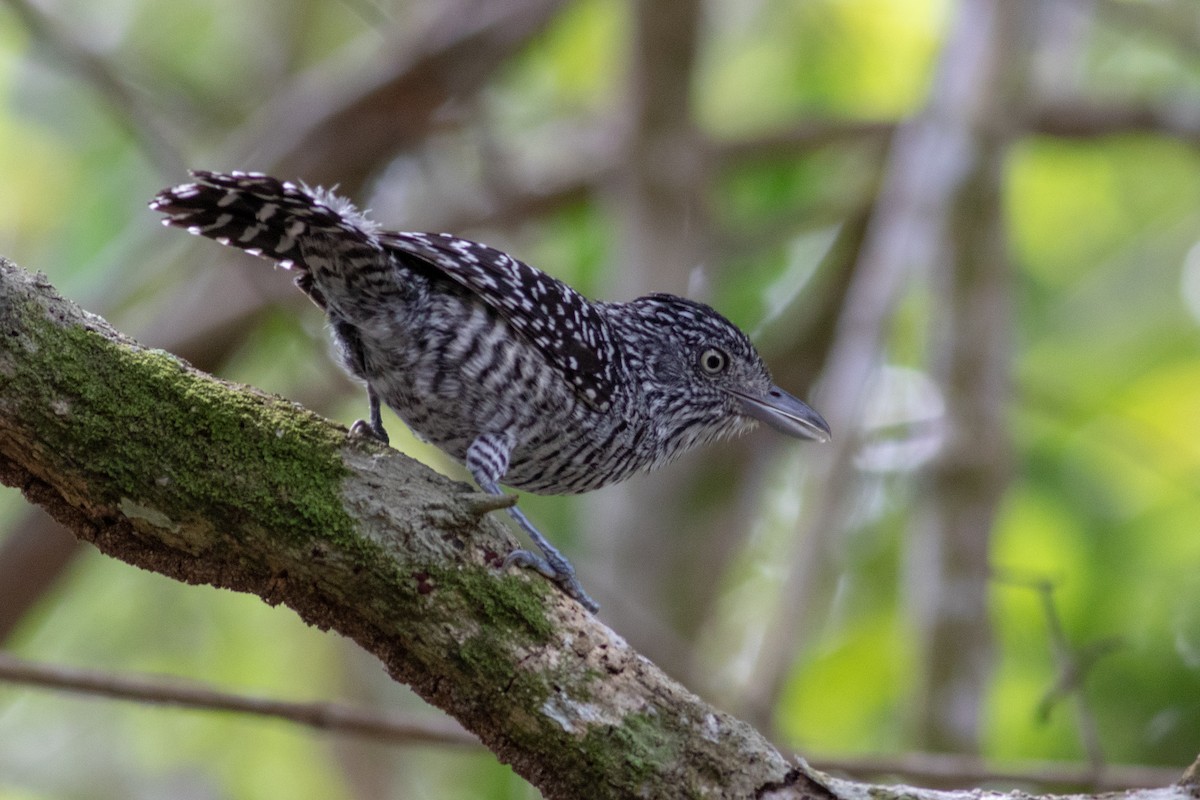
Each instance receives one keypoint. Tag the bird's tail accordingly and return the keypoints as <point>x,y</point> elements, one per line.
<point>279,220</point>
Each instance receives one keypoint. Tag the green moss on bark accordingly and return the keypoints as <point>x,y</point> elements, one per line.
<point>505,602</point>
<point>177,444</point>
<point>639,747</point>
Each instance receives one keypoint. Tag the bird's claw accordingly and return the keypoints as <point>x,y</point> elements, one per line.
<point>528,560</point>
<point>558,570</point>
<point>363,428</point>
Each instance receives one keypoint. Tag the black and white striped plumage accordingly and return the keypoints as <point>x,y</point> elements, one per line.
<point>506,369</point>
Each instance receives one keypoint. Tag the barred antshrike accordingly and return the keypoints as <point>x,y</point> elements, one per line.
<point>506,369</point>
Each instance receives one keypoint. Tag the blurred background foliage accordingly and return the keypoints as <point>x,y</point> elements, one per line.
<point>966,230</point>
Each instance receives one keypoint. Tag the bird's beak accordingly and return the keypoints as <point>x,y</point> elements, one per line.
<point>785,414</point>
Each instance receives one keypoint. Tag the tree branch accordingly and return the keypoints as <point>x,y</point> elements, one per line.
<point>956,769</point>
<point>116,94</point>
<point>174,471</point>
<point>171,470</point>
<point>369,119</point>
<point>935,769</point>
<point>174,692</point>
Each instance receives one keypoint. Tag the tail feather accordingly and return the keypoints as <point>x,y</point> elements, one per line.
<point>263,215</point>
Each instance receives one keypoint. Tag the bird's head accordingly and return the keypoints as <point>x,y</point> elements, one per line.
<point>705,377</point>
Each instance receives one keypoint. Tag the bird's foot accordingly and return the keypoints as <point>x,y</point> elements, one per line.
<point>557,569</point>
<point>487,460</point>
<point>363,428</point>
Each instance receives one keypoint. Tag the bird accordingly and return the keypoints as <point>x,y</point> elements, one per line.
<point>511,372</point>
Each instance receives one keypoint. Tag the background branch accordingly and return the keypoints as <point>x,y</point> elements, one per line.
<point>933,769</point>
<point>336,717</point>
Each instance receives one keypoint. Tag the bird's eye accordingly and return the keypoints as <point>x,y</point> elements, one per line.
<point>713,361</point>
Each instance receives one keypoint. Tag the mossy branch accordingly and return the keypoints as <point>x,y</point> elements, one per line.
<point>174,471</point>
<point>171,470</point>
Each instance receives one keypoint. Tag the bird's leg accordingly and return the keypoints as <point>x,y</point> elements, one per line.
<point>374,428</point>
<point>354,356</point>
<point>487,460</point>
<point>553,564</point>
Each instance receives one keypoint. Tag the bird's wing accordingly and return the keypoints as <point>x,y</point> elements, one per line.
<point>552,316</point>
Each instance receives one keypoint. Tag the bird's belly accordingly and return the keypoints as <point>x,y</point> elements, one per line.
<point>450,383</point>
<point>561,446</point>
<point>581,454</point>
<point>558,449</point>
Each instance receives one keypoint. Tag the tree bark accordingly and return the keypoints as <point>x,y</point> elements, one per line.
<point>171,470</point>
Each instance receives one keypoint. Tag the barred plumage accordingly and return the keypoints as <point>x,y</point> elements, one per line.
<point>508,370</point>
